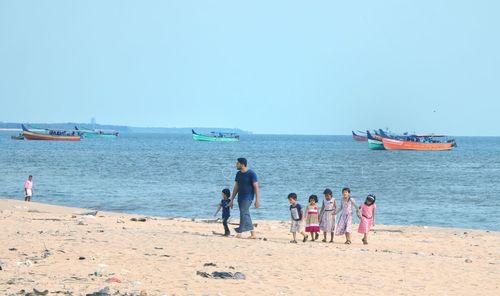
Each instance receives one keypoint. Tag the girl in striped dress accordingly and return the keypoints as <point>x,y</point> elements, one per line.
<point>312,217</point>
<point>367,217</point>
<point>327,215</point>
<point>344,226</point>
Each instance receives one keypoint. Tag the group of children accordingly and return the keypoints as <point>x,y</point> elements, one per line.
<point>324,219</point>
<point>319,219</point>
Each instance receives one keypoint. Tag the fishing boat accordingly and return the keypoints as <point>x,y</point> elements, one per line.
<point>374,141</point>
<point>216,137</point>
<point>50,135</point>
<point>88,134</point>
<point>420,144</point>
<point>361,137</point>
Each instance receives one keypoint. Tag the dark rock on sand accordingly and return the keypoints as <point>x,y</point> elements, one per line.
<point>138,219</point>
<point>103,292</point>
<point>210,264</point>
<point>222,275</point>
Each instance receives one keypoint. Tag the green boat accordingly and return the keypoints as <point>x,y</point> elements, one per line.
<point>97,135</point>
<point>216,137</point>
<point>375,145</point>
<point>93,134</point>
<point>374,142</point>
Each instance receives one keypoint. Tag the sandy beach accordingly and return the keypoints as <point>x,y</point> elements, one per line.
<point>68,251</point>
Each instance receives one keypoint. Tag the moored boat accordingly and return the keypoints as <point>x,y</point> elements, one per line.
<point>360,137</point>
<point>424,145</point>
<point>50,136</point>
<point>89,134</point>
<point>374,141</point>
<point>216,137</point>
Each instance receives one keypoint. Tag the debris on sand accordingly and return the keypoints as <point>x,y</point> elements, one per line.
<point>222,275</point>
<point>138,219</point>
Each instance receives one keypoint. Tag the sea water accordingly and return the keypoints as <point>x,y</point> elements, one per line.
<point>172,175</point>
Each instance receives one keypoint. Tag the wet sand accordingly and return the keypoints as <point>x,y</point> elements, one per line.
<point>60,250</point>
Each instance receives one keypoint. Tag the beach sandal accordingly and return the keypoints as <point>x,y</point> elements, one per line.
<point>305,238</point>
<point>365,242</point>
<point>347,242</point>
<point>331,242</point>
<point>293,241</point>
<point>324,240</point>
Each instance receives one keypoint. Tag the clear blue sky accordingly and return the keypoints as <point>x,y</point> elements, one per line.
<point>296,67</point>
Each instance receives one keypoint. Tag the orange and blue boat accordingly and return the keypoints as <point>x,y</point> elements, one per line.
<point>50,135</point>
<point>424,145</point>
<point>417,142</point>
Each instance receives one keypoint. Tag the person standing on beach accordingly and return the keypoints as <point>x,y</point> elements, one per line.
<point>366,215</point>
<point>246,187</point>
<point>344,225</point>
<point>226,212</point>
<point>28,188</point>
<point>327,215</point>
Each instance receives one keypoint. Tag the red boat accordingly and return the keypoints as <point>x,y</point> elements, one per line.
<point>392,144</point>
<point>361,138</point>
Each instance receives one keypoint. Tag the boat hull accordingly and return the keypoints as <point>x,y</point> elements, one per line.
<point>359,138</point>
<point>392,144</point>
<point>198,137</point>
<point>375,145</point>
<point>41,137</point>
<point>93,136</point>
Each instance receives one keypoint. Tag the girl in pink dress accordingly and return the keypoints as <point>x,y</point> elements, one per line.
<point>367,217</point>
<point>311,216</point>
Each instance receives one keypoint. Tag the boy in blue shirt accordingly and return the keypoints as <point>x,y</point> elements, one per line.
<point>296,215</point>
<point>226,211</point>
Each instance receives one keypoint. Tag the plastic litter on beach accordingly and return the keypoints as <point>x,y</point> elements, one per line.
<point>26,263</point>
<point>113,280</point>
<point>46,253</point>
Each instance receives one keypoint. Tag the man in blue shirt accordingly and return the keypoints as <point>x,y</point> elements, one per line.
<point>246,187</point>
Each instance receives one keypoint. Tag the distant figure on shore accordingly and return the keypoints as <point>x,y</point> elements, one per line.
<point>246,187</point>
<point>28,188</point>
<point>367,217</point>
<point>226,212</point>
<point>344,225</point>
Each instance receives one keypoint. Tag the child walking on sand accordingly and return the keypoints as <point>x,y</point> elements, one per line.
<point>344,226</point>
<point>296,215</point>
<point>312,218</point>
<point>226,211</point>
<point>367,217</point>
<point>327,215</point>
